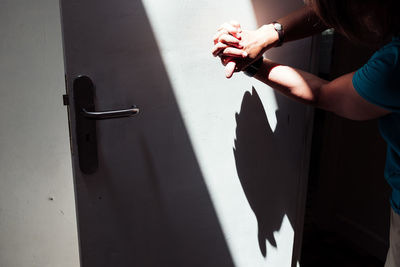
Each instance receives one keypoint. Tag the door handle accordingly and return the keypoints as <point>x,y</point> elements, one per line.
<point>84,92</point>
<point>110,114</point>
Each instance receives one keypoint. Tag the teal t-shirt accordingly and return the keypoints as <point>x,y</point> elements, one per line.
<point>378,81</point>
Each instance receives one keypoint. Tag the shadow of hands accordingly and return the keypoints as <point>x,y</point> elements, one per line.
<point>260,168</point>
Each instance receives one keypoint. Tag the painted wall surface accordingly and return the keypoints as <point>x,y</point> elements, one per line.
<point>37,211</point>
<point>252,145</point>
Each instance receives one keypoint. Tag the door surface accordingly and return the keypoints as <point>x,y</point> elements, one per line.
<point>145,204</point>
<point>169,186</point>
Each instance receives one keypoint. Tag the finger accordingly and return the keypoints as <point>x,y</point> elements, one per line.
<point>230,69</point>
<point>226,60</point>
<point>218,48</point>
<point>236,24</point>
<point>234,52</point>
<point>229,40</point>
<point>221,33</point>
<point>230,66</point>
<point>231,29</point>
<point>228,27</point>
<point>218,35</point>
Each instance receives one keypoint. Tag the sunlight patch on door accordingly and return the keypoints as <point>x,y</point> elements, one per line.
<point>208,103</point>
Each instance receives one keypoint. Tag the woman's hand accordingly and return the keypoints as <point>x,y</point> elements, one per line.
<point>246,43</point>
<point>239,48</point>
<point>228,34</point>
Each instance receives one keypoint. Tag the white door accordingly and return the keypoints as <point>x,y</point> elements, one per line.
<point>173,164</point>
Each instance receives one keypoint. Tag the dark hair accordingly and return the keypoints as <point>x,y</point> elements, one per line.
<point>360,20</point>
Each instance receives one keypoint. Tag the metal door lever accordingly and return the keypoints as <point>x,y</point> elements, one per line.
<point>85,119</point>
<point>110,114</point>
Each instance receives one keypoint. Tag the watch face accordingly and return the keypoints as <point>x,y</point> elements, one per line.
<point>278,26</point>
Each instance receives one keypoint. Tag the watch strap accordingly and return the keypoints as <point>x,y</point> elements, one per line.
<point>252,69</point>
<point>281,34</point>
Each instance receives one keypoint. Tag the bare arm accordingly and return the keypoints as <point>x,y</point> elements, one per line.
<point>301,23</point>
<point>232,42</point>
<point>297,25</point>
<point>338,96</point>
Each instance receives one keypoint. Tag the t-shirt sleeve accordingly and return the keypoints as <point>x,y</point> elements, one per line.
<point>378,80</point>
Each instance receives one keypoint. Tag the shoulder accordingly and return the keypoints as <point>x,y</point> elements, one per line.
<point>387,56</point>
<point>379,79</point>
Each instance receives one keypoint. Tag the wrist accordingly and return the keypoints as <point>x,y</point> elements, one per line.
<point>269,36</point>
<point>281,33</point>
<point>254,67</point>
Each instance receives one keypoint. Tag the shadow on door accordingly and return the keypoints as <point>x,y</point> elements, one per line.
<point>148,204</point>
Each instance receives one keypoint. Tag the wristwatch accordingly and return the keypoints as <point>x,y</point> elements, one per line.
<point>253,68</point>
<point>281,34</point>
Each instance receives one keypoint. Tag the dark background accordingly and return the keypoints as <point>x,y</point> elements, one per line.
<point>347,214</point>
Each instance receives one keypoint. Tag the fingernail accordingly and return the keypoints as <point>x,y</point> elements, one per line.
<point>244,54</point>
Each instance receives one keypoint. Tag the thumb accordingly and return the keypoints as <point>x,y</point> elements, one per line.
<point>230,69</point>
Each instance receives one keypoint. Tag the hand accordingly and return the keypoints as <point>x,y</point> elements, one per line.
<point>228,35</point>
<point>247,44</point>
<point>252,44</point>
<point>243,52</point>
<point>233,64</point>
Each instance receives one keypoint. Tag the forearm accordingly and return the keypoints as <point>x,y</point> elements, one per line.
<point>300,24</point>
<point>299,85</point>
<point>338,96</point>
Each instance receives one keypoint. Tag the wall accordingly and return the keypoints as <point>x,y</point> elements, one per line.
<point>37,213</point>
